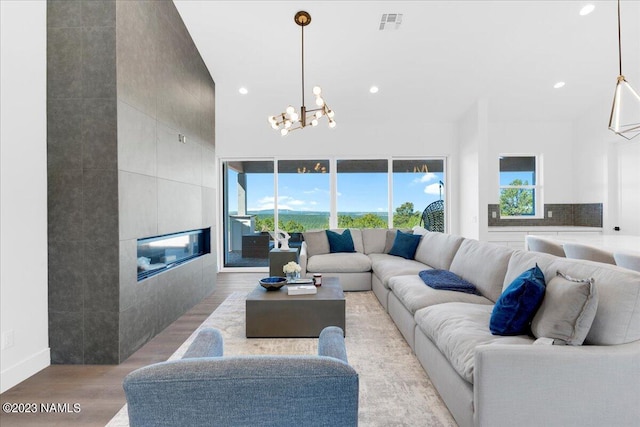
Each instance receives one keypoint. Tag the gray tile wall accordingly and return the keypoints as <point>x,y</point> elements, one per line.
<point>117,172</point>
<point>82,177</point>
<point>165,186</point>
<point>571,214</point>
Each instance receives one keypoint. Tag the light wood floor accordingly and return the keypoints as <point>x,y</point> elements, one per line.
<point>98,388</point>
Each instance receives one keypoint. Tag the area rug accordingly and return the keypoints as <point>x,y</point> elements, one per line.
<point>394,389</point>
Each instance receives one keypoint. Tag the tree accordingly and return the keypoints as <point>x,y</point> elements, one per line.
<point>516,201</point>
<point>265,224</point>
<point>369,220</point>
<point>405,217</point>
<point>345,221</point>
<point>291,226</point>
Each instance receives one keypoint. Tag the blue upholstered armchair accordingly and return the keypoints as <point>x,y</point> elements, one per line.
<point>206,389</point>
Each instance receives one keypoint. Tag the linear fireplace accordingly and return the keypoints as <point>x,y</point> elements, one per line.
<point>160,253</point>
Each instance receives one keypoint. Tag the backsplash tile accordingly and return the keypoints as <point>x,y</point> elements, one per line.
<point>577,214</point>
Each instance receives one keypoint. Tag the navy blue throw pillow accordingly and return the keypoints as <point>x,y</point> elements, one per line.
<point>405,245</point>
<point>515,308</point>
<point>340,242</point>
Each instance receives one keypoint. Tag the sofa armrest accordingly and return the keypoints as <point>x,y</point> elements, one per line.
<point>302,259</point>
<point>208,343</point>
<point>556,385</point>
<point>331,343</point>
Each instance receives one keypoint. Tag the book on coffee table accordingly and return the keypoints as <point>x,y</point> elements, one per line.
<point>301,290</point>
<point>301,282</point>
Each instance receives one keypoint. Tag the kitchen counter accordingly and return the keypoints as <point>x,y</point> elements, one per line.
<point>513,236</point>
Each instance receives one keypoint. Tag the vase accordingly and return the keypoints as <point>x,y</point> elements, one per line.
<point>293,276</point>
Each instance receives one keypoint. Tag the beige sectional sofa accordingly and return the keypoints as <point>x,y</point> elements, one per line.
<point>492,380</point>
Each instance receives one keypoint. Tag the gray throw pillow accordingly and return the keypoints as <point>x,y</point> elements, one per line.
<point>567,310</point>
<point>391,237</point>
<point>317,243</point>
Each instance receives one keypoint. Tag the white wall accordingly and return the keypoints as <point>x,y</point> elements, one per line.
<point>552,140</point>
<point>347,139</point>
<point>596,173</point>
<point>23,191</point>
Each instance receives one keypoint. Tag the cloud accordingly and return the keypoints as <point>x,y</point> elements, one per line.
<point>315,191</point>
<point>432,189</point>
<point>427,177</point>
<point>284,202</point>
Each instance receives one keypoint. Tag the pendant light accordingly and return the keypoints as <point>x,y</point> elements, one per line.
<point>625,112</point>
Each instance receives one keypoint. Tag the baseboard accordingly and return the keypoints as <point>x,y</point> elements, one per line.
<point>17,373</point>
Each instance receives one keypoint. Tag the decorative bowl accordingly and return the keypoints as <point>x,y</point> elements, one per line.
<point>273,283</point>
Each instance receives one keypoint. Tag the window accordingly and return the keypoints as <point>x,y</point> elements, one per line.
<point>520,190</point>
<point>418,184</point>
<point>362,194</point>
<point>303,196</point>
<point>296,195</point>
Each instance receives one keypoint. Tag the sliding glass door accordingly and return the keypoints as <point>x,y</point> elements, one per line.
<point>248,191</point>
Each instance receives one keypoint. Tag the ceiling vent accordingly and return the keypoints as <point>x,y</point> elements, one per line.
<point>390,21</point>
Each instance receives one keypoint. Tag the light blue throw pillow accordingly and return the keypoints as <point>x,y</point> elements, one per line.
<point>405,245</point>
<point>515,308</point>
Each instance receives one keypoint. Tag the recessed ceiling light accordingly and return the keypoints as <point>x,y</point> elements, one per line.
<point>243,91</point>
<point>374,89</point>
<point>587,9</point>
<point>558,85</point>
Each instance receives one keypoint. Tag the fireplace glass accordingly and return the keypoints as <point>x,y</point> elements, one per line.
<point>160,253</point>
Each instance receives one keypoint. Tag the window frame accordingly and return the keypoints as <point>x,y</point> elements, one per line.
<point>538,205</point>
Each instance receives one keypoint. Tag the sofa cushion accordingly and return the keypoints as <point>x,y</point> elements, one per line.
<point>438,249</point>
<point>457,328</point>
<point>317,242</point>
<point>414,294</point>
<point>342,262</point>
<point>617,318</point>
<point>404,245</point>
<point>419,230</point>
<point>374,240</point>
<point>340,242</point>
<point>483,264</point>
<point>385,266</point>
<point>522,260</point>
<point>517,305</point>
<point>567,310</point>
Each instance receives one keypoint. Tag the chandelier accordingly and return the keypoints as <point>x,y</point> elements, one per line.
<point>625,112</point>
<point>291,119</point>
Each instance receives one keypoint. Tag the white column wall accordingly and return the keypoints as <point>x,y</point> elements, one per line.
<point>553,141</point>
<point>23,192</point>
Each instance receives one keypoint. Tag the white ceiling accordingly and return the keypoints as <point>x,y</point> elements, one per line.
<point>445,56</point>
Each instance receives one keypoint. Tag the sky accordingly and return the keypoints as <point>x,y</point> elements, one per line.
<point>357,192</point>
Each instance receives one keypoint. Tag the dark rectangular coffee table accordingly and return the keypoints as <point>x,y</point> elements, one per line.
<point>274,314</point>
